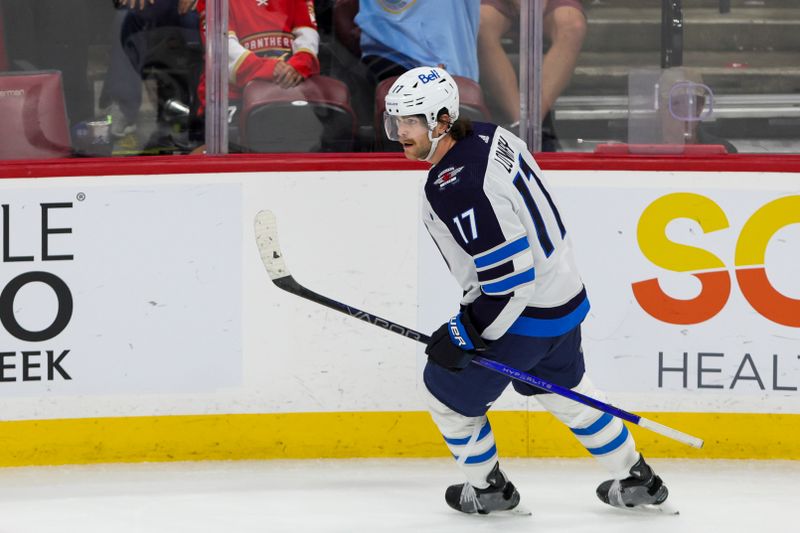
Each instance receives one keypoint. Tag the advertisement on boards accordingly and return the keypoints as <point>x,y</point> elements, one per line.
<point>120,289</point>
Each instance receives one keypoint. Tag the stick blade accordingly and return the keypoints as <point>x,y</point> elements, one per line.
<point>667,431</point>
<point>266,230</point>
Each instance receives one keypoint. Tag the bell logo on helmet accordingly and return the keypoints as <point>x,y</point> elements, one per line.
<point>425,78</point>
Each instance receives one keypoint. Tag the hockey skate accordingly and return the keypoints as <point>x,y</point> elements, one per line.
<point>500,495</point>
<point>643,490</point>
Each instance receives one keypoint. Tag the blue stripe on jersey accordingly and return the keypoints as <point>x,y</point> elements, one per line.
<point>482,458</point>
<point>504,252</point>
<point>529,173</point>
<point>499,287</point>
<point>611,446</point>
<point>461,442</point>
<point>538,222</point>
<point>549,327</point>
<point>595,427</point>
<point>503,269</point>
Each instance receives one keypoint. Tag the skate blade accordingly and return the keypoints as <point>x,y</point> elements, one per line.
<point>665,508</point>
<point>519,510</point>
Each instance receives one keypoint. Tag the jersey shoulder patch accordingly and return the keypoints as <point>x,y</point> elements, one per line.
<point>448,176</point>
<point>465,162</point>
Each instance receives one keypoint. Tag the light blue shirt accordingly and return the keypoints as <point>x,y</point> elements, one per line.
<point>417,33</point>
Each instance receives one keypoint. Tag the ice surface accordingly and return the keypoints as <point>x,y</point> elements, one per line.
<point>366,495</point>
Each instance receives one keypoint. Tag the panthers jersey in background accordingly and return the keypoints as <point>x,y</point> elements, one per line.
<point>263,32</point>
<point>499,229</point>
<point>277,29</point>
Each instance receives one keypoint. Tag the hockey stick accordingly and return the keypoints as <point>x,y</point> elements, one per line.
<point>266,231</point>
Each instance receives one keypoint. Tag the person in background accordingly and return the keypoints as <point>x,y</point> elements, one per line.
<point>399,35</point>
<point>390,37</point>
<point>131,50</point>
<point>564,27</point>
<point>275,40</point>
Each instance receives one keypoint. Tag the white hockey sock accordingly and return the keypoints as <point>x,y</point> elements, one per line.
<point>475,453</point>
<point>610,442</point>
<point>604,436</point>
<point>470,440</point>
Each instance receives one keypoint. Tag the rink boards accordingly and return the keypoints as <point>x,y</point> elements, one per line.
<point>139,324</point>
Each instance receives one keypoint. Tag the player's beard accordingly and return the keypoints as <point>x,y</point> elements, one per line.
<point>418,150</point>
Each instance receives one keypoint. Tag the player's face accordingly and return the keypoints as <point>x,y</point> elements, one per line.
<point>412,134</point>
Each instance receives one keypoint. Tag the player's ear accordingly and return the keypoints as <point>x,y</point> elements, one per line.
<point>443,124</point>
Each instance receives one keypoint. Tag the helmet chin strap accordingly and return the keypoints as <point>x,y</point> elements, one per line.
<point>434,143</point>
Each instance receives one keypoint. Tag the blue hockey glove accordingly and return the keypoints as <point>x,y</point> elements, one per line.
<point>455,343</point>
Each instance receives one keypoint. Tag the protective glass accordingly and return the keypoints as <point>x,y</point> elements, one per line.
<point>690,102</point>
<point>411,125</point>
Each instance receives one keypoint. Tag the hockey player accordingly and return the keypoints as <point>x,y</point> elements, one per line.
<point>499,228</point>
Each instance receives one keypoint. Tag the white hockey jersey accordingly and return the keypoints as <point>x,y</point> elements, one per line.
<point>499,229</point>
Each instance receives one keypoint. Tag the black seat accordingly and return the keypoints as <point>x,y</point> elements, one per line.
<point>315,116</point>
<point>33,116</point>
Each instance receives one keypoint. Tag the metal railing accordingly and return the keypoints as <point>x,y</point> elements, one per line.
<point>731,106</point>
<point>671,33</point>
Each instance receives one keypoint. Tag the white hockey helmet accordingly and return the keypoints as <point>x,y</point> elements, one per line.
<point>421,91</point>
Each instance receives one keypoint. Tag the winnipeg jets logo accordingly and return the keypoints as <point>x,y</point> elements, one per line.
<point>262,3</point>
<point>447,176</point>
<point>484,138</point>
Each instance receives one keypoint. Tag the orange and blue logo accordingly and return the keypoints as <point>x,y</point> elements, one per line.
<point>750,267</point>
